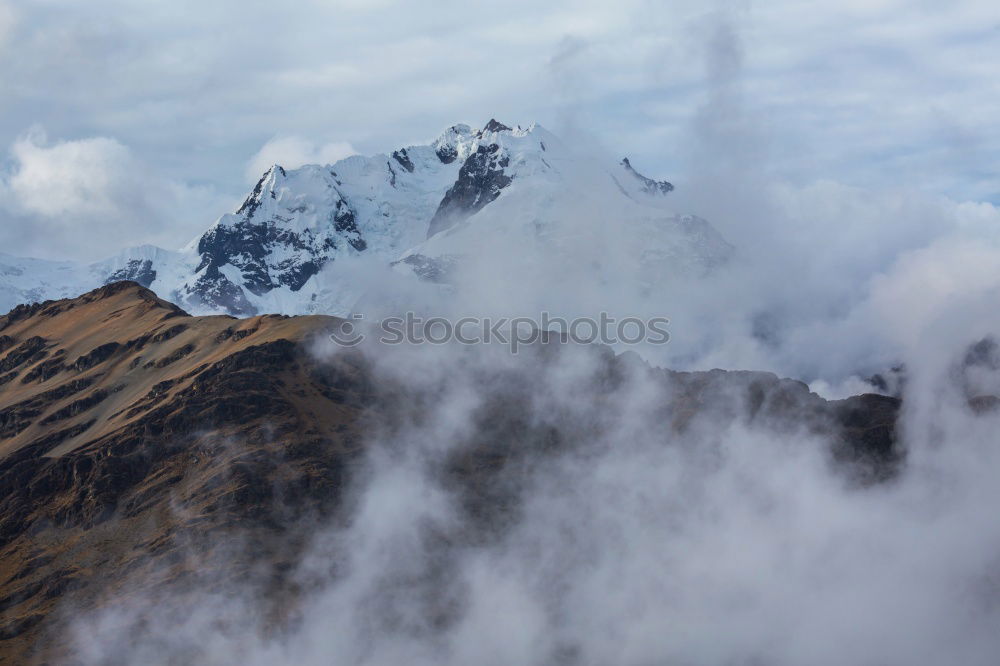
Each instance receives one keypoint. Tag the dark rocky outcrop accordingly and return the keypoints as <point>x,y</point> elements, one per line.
<point>494,125</point>
<point>648,185</point>
<point>403,159</point>
<point>345,223</point>
<point>215,290</point>
<point>253,201</point>
<point>479,182</point>
<point>447,154</point>
<point>136,270</point>
<point>251,245</point>
<point>97,355</point>
<point>247,245</point>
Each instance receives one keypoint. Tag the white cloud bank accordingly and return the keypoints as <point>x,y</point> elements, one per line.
<point>627,543</point>
<point>868,93</point>
<point>89,198</point>
<point>96,176</point>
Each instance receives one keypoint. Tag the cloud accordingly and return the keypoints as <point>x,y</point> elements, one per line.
<point>89,198</point>
<point>598,534</point>
<point>84,177</point>
<point>291,152</point>
<point>844,92</point>
<point>8,19</point>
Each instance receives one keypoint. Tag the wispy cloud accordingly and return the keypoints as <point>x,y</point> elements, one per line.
<point>90,197</point>
<point>291,152</point>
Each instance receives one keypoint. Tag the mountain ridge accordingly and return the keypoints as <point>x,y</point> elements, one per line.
<point>136,438</point>
<point>268,254</point>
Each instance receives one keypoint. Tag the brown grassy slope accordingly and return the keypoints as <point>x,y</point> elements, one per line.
<point>117,407</point>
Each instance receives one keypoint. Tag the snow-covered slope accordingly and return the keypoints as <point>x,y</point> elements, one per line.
<point>548,203</point>
<point>27,280</point>
<point>426,210</point>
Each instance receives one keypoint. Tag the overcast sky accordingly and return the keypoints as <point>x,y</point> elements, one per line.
<point>124,122</point>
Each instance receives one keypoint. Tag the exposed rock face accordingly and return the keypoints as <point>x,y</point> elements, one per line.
<point>256,197</point>
<point>446,153</point>
<point>137,270</point>
<point>403,159</point>
<point>479,182</point>
<point>265,250</point>
<point>494,126</point>
<point>247,246</point>
<point>214,290</point>
<point>648,185</point>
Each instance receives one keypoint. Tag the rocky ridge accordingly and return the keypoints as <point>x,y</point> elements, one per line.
<point>131,430</point>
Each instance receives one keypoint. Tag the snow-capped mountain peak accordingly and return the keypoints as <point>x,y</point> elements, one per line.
<point>418,207</point>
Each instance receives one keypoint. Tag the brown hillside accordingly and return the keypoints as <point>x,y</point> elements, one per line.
<point>139,443</point>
